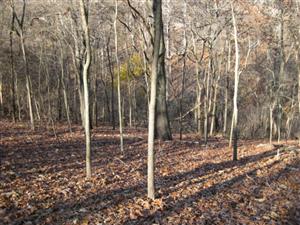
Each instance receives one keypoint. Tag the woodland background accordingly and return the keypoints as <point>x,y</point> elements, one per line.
<point>199,64</point>
<point>225,70</point>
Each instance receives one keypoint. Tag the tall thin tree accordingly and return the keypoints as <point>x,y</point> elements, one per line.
<point>84,21</point>
<point>19,28</point>
<point>118,77</point>
<point>234,124</point>
<point>158,36</point>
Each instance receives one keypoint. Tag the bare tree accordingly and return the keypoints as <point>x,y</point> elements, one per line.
<point>118,77</point>
<point>19,28</point>
<point>112,94</point>
<point>234,124</point>
<point>12,68</point>
<point>162,123</point>
<point>228,69</point>
<point>85,73</point>
<point>157,58</point>
<point>185,46</point>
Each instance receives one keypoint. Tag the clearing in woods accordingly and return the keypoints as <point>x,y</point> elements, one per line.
<point>43,180</point>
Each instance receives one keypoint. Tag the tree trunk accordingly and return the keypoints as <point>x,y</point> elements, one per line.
<point>95,102</point>
<point>183,70</point>
<point>37,108</point>
<point>40,98</point>
<point>129,87</point>
<point>213,118</point>
<point>206,101</point>
<point>298,83</point>
<point>112,88</point>
<point>129,103</point>
<point>118,77</point>
<point>199,85</point>
<point>182,92</point>
<point>12,72</point>
<point>155,70</point>
<point>271,123</point>
<point>234,128</point>
<point>162,124</point>
<point>168,48</point>
<point>134,103</point>
<point>64,89</point>
<point>280,77</point>
<point>103,81</point>
<point>298,65</point>
<point>225,106</point>
<point>27,81</point>
<point>58,106</point>
<point>145,66</point>
<point>85,73</point>
<point>17,97</point>
<point>211,73</point>
<point>81,96</point>
<point>1,94</point>
<point>49,116</point>
<point>228,68</point>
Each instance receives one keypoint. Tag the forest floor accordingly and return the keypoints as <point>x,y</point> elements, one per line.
<point>42,180</point>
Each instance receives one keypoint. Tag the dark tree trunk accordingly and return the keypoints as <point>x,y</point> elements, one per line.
<point>12,71</point>
<point>162,124</point>
<point>112,88</point>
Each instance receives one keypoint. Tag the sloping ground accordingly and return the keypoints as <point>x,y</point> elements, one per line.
<point>43,181</point>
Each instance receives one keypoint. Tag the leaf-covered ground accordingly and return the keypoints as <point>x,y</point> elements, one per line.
<point>43,180</point>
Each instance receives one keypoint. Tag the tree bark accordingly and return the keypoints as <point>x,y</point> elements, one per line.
<point>213,118</point>
<point>162,124</point>
<point>85,73</point>
<point>271,124</point>
<point>183,71</point>
<point>206,100</point>
<point>234,125</point>
<point>129,86</point>
<point>1,94</point>
<point>95,101</point>
<point>182,94</point>
<point>64,89</point>
<point>155,70</point>
<point>29,99</point>
<point>112,88</point>
<point>12,71</point>
<point>19,30</point>
<point>103,81</point>
<point>118,78</point>
<point>299,82</point>
<point>228,68</point>
<point>280,76</point>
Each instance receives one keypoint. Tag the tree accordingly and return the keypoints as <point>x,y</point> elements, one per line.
<point>198,82</point>
<point>185,46</point>
<point>234,124</point>
<point>19,28</point>
<point>162,124</point>
<point>85,72</point>
<point>12,69</point>
<point>157,62</point>
<point>112,94</point>
<point>118,77</point>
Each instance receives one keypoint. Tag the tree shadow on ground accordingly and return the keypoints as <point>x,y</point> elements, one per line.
<point>45,158</point>
<point>210,168</point>
<point>209,192</point>
<point>103,200</point>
